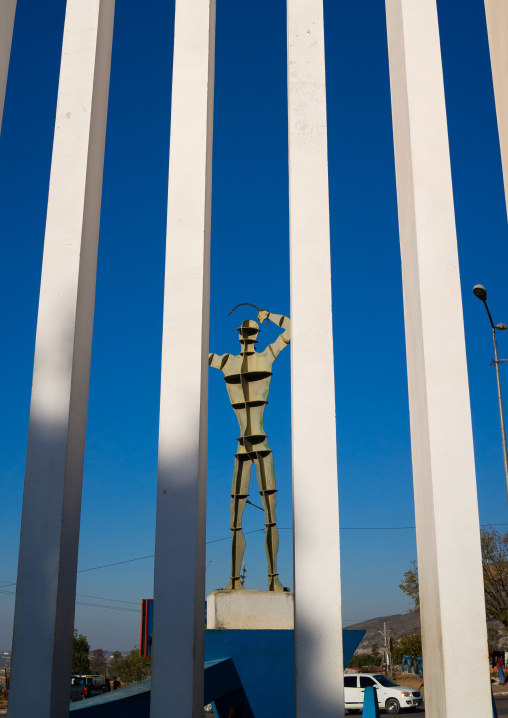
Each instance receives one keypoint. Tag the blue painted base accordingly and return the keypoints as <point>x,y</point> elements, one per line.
<point>370,704</point>
<point>251,669</point>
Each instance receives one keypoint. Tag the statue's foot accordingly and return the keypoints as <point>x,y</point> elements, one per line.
<point>233,585</point>
<point>275,585</point>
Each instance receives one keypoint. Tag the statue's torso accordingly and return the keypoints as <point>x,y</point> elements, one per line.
<point>247,379</point>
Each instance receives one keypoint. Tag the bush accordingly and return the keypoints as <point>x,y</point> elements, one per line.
<point>365,661</point>
<point>410,644</point>
<point>134,668</point>
<point>80,651</point>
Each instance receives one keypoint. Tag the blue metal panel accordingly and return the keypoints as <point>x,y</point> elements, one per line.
<point>264,660</point>
<point>129,702</point>
<point>265,664</point>
<point>223,688</point>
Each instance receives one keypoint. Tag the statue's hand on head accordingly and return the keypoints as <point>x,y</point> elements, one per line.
<point>262,315</point>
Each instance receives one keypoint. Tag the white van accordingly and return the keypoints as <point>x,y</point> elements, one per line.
<point>392,697</point>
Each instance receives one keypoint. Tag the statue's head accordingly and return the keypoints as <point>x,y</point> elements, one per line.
<point>249,331</point>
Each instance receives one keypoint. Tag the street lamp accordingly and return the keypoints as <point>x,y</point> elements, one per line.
<point>481,293</point>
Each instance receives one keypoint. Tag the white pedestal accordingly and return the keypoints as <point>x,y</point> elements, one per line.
<point>250,609</point>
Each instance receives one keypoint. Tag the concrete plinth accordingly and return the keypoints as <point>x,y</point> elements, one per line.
<point>246,610</point>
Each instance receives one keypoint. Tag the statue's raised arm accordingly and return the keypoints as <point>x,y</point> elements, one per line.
<point>281,321</point>
<point>217,361</point>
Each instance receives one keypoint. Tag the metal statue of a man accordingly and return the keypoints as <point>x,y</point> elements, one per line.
<point>247,377</point>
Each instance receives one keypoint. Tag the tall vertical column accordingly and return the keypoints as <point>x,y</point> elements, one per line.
<point>446,508</point>
<point>496,12</point>
<point>179,589</point>
<point>318,620</point>
<point>46,586</point>
<point>7,13</point>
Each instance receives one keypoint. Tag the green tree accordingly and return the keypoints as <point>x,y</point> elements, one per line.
<point>495,576</point>
<point>361,661</point>
<point>366,660</point>
<point>80,651</point>
<point>493,639</point>
<point>134,668</point>
<point>98,661</point>
<point>409,644</point>
<point>114,666</point>
<point>410,587</point>
<point>376,655</point>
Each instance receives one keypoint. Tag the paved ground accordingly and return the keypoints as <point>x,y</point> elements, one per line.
<point>501,705</point>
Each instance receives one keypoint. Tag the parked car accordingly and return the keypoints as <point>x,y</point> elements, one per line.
<point>392,697</point>
<point>76,689</point>
<point>90,686</point>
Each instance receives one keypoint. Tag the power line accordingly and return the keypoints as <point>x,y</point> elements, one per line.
<point>103,598</point>
<point>133,610</point>
<point>112,608</point>
<point>118,563</point>
<point>95,605</point>
<point>245,533</point>
<point>83,595</point>
<point>226,538</point>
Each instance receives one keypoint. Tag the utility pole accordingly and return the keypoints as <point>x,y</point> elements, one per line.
<point>388,654</point>
<point>480,292</point>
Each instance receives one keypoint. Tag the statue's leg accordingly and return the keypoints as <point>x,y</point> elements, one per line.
<point>266,480</point>
<point>239,494</point>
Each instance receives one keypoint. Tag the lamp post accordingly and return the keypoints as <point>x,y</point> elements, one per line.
<point>481,293</point>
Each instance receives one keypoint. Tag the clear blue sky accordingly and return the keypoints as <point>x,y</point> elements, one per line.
<point>249,229</point>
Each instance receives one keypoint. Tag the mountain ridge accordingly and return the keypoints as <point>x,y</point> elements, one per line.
<point>400,623</point>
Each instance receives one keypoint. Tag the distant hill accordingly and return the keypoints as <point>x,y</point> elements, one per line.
<point>399,623</point>
<point>405,623</point>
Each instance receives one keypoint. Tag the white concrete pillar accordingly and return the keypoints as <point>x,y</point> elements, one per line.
<point>446,508</point>
<point>46,586</point>
<point>496,12</point>
<point>318,620</point>
<point>179,588</point>
<point>7,13</point>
